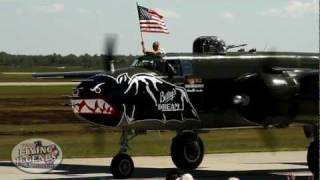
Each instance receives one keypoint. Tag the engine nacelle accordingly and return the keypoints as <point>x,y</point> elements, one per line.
<point>266,99</point>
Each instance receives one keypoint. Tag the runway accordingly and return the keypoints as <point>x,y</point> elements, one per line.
<point>246,166</point>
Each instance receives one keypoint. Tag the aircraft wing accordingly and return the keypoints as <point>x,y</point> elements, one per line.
<point>300,73</point>
<point>298,70</point>
<point>61,75</point>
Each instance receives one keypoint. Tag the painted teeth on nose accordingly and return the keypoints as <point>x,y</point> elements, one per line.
<point>90,103</point>
<point>91,106</point>
<point>106,107</point>
<point>101,104</point>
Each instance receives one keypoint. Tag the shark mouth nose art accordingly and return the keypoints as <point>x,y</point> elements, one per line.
<point>92,106</point>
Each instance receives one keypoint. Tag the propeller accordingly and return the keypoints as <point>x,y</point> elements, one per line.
<point>110,42</point>
<point>270,63</point>
<point>269,139</point>
<point>109,49</point>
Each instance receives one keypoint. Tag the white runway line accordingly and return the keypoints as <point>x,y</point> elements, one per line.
<point>38,83</point>
<point>17,73</point>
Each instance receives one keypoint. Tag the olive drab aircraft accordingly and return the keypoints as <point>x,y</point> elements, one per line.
<point>187,92</point>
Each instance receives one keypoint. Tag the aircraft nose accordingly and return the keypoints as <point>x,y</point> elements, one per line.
<point>93,102</point>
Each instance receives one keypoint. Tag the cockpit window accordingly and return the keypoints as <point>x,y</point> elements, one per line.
<point>166,67</point>
<point>146,61</point>
<point>135,63</point>
<point>141,63</point>
<point>186,68</point>
<point>176,66</point>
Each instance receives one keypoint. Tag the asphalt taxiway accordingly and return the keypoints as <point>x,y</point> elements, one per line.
<point>248,166</point>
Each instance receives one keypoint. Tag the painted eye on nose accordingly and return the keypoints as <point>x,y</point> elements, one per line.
<point>97,88</point>
<point>75,93</point>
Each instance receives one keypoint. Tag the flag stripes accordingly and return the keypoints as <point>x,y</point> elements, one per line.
<point>151,21</point>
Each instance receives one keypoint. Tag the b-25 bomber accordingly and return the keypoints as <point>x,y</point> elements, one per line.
<point>188,92</point>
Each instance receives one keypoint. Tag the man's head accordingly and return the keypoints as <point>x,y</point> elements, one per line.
<point>155,46</point>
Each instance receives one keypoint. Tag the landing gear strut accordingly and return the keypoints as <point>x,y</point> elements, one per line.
<point>187,150</point>
<point>313,153</point>
<point>313,158</point>
<point>122,164</point>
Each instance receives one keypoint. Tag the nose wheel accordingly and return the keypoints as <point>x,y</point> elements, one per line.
<point>122,165</point>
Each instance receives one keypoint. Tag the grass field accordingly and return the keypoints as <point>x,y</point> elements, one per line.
<point>78,140</point>
<point>27,112</point>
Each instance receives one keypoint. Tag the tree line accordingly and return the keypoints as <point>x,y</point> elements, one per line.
<point>86,60</point>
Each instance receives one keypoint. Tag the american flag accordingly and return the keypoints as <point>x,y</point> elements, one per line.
<point>151,21</point>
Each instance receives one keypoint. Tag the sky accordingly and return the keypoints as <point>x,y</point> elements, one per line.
<point>41,27</point>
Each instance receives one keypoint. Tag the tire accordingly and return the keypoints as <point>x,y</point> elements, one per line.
<point>187,151</point>
<point>313,158</point>
<point>122,166</point>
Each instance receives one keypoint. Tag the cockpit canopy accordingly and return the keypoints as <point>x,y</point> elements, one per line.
<point>156,63</point>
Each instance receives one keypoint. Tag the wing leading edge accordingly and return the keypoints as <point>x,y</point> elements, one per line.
<point>66,75</point>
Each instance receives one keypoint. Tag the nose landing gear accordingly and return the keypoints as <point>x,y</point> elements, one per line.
<point>122,165</point>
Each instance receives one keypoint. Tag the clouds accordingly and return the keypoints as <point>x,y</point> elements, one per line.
<point>50,8</point>
<point>40,9</point>
<point>168,13</point>
<point>294,9</point>
<point>77,26</point>
<point>227,15</point>
<point>300,7</point>
<point>84,11</point>
<point>56,8</point>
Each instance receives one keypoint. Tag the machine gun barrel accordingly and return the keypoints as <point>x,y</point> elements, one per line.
<point>235,46</point>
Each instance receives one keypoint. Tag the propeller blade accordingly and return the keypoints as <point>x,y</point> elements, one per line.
<point>268,138</point>
<point>270,63</point>
<point>109,51</point>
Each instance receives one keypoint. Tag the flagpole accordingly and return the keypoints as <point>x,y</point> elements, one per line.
<point>141,36</point>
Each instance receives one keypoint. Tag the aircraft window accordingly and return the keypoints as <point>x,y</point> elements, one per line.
<point>135,63</point>
<point>176,65</point>
<point>146,61</point>
<point>149,64</point>
<point>186,68</point>
<point>169,68</point>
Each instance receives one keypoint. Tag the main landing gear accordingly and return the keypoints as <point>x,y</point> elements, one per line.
<point>313,153</point>
<point>313,158</point>
<point>186,153</point>
<point>187,150</point>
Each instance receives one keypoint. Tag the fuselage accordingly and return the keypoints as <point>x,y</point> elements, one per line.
<point>192,91</point>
